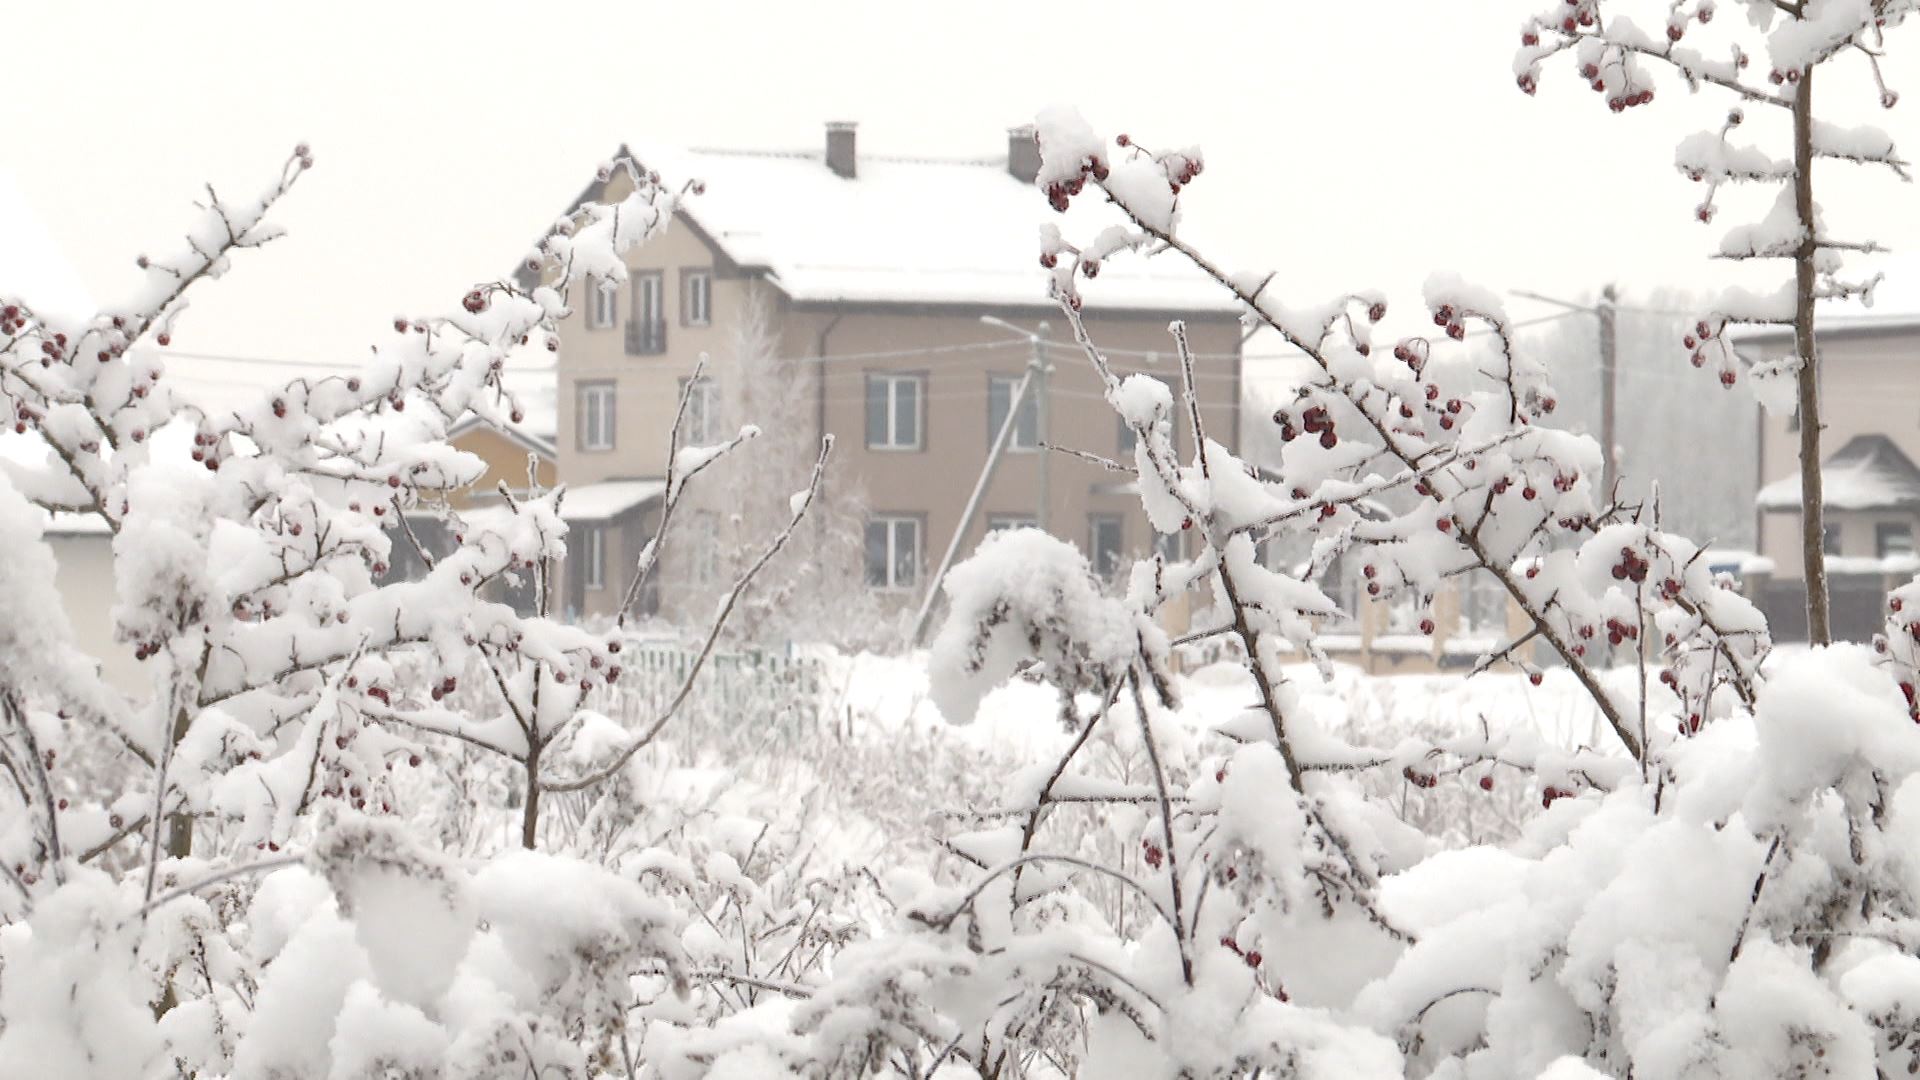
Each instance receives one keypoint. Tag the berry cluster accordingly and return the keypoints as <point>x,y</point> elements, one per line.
<point>1314,421</point>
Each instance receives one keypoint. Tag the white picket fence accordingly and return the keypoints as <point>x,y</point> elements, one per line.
<point>751,686</point>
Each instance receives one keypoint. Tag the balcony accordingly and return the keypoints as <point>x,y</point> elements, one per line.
<point>646,338</point>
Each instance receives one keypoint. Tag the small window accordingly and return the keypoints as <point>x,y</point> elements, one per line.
<point>1026,428</point>
<point>893,410</point>
<point>647,329</point>
<point>1170,546</point>
<point>893,551</point>
<point>702,424</point>
<point>1106,531</point>
<point>595,415</point>
<point>1830,540</point>
<point>1001,522</point>
<point>703,560</point>
<point>1892,538</point>
<point>696,298</point>
<point>602,304</point>
<point>592,540</point>
<point>1483,603</point>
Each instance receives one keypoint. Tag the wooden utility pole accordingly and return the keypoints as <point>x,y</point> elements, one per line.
<point>1609,390</point>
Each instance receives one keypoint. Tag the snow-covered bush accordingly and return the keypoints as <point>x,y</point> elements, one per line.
<point>1793,43</point>
<point>1720,890</point>
<point>234,875</point>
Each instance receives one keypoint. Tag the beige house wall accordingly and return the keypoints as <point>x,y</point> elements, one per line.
<point>506,462</point>
<point>932,482</point>
<point>1870,386</point>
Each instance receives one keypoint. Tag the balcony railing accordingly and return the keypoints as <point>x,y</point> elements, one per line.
<point>646,338</point>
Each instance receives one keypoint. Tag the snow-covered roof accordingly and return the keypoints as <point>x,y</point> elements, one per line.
<point>608,499</point>
<point>906,231</point>
<point>1895,310</point>
<point>32,267</point>
<point>1868,473</point>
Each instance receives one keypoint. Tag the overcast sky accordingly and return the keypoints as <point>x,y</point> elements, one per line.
<point>1348,145</point>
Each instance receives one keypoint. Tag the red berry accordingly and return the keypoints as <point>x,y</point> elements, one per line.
<point>1486,783</point>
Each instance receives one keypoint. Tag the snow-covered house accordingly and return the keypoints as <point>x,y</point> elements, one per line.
<point>1870,403</point>
<point>877,272</point>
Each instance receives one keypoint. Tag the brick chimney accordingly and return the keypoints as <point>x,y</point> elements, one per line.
<point>1023,153</point>
<point>840,148</point>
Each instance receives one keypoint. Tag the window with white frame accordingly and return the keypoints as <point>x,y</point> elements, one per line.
<point>1002,522</point>
<point>696,297</point>
<point>603,304</point>
<point>1026,425</point>
<point>894,401</point>
<point>1892,538</point>
<point>702,423</point>
<point>591,543</point>
<point>647,328</point>
<point>893,551</point>
<point>1105,533</point>
<point>595,416</point>
<point>1171,546</point>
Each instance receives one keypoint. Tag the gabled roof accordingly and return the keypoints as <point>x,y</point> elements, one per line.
<point>1868,473</point>
<point>905,231</point>
<point>1895,310</point>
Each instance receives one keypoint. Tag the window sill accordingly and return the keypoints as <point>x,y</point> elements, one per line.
<point>880,448</point>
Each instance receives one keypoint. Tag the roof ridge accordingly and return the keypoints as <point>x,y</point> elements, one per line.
<point>999,162</point>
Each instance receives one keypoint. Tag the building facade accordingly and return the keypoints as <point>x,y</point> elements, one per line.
<point>908,296</point>
<point>1870,441</point>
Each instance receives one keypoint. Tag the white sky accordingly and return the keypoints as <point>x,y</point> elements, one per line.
<point>1348,145</point>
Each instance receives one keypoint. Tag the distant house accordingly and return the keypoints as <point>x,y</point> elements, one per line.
<point>875,272</point>
<point>1870,406</point>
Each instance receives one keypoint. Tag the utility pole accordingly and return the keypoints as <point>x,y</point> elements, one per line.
<point>1042,426</point>
<point>1036,373</point>
<point>1609,370</point>
<point>1607,311</point>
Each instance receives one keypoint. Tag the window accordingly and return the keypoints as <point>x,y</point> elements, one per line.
<point>595,416</point>
<point>893,551</point>
<point>1104,544</point>
<point>602,304</point>
<point>647,329</point>
<point>696,297</point>
<point>703,560</point>
<point>702,424</point>
<point>593,555</point>
<point>1830,540</point>
<point>893,410</point>
<point>1025,426</point>
<point>1483,604</point>
<point>1001,522</point>
<point>1169,546</point>
<point>1892,538</point>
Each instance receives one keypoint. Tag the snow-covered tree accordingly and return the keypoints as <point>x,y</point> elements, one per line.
<point>816,592</point>
<point>1718,891</point>
<point>1769,66</point>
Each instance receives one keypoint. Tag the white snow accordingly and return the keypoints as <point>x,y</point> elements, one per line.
<point>872,239</point>
<point>608,499</point>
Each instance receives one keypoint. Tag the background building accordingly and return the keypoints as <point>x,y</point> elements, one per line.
<point>873,276</point>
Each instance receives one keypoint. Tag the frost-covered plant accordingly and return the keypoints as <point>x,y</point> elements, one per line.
<point>1720,891</point>
<point>295,684</point>
<point>1792,42</point>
